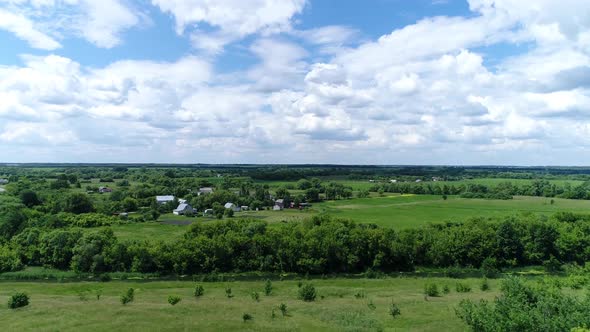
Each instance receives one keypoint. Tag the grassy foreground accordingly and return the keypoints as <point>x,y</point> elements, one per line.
<point>341,305</point>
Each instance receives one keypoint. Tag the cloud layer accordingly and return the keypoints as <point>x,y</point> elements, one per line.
<point>424,93</point>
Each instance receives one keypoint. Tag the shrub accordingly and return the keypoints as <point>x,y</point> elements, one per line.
<point>105,277</point>
<point>283,309</point>
<point>360,295</point>
<point>255,296</point>
<point>431,290</point>
<point>247,317</point>
<point>485,286</point>
<point>446,289</point>
<point>18,300</point>
<point>307,293</point>
<point>462,288</point>
<point>371,305</point>
<point>199,291</point>
<point>98,294</point>
<point>128,297</point>
<point>173,299</point>
<point>228,293</point>
<point>268,287</point>
<point>394,310</point>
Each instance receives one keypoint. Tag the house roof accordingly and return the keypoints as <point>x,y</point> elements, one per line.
<point>280,201</point>
<point>228,205</point>
<point>206,190</point>
<point>182,207</point>
<point>166,198</point>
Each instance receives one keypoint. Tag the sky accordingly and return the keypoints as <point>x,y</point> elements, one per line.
<point>443,82</point>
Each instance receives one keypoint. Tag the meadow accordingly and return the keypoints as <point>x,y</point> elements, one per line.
<point>341,305</point>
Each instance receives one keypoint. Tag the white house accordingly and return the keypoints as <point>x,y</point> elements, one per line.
<point>232,206</point>
<point>280,203</point>
<point>164,199</point>
<point>183,209</point>
<point>3,181</point>
<point>277,208</point>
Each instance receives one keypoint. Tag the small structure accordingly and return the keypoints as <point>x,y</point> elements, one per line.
<point>164,199</point>
<point>103,190</point>
<point>244,208</point>
<point>183,209</point>
<point>181,201</point>
<point>232,206</point>
<point>205,191</point>
<point>393,181</point>
<point>418,180</point>
<point>276,208</point>
<point>3,181</point>
<point>280,203</point>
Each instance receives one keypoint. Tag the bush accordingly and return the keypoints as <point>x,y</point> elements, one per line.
<point>255,296</point>
<point>18,300</point>
<point>199,291</point>
<point>431,290</point>
<point>247,317</point>
<point>173,299</point>
<point>268,288</point>
<point>105,277</point>
<point>307,293</point>
<point>228,293</point>
<point>485,286</point>
<point>462,288</point>
<point>394,310</point>
<point>128,297</point>
<point>283,309</point>
<point>446,289</point>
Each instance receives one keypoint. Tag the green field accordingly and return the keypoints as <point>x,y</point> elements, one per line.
<point>392,211</point>
<point>73,306</point>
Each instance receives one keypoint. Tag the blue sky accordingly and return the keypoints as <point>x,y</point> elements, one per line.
<point>295,81</point>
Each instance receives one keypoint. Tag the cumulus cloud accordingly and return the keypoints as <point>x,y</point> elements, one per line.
<point>423,93</point>
<point>99,22</point>
<point>232,19</point>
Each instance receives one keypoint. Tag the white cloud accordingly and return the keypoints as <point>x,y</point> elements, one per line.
<point>24,29</point>
<point>99,22</point>
<point>232,19</point>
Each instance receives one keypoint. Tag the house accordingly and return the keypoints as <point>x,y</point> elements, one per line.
<point>276,208</point>
<point>103,190</point>
<point>208,212</point>
<point>232,206</point>
<point>280,203</point>
<point>205,191</point>
<point>183,209</point>
<point>164,199</point>
<point>3,181</point>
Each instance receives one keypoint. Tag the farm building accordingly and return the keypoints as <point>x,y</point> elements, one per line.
<point>164,199</point>
<point>103,190</point>
<point>183,209</point>
<point>280,203</point>
<point>232,206</point>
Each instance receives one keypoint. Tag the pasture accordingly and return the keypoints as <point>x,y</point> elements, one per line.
<point>341,305</point>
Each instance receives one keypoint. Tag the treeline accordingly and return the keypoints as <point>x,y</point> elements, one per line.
<point>504,190</point>
<point>320,245</point>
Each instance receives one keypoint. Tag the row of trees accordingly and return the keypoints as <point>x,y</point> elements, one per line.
<point>318,245</point>
<point>504,190</point>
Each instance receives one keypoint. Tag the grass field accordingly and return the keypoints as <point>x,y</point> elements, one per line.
<point>393,211</point>
<point>73,306</point>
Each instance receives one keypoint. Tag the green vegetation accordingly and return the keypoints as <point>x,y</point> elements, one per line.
<point>18,300</point>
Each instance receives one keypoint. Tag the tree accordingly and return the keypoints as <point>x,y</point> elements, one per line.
<point>78,203</point>
<point>29,198</point>
<point>129,204</point>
